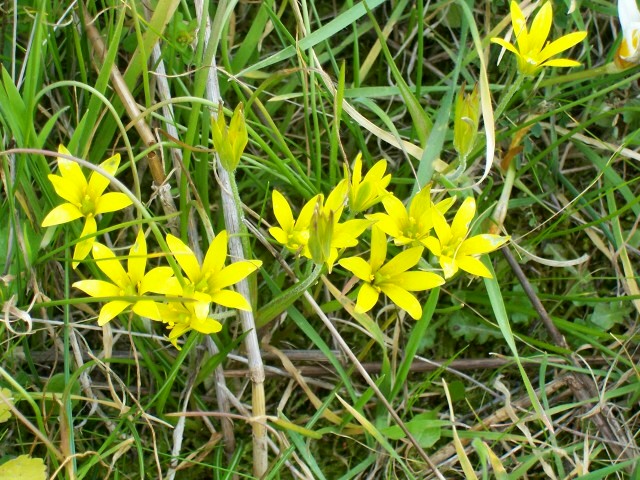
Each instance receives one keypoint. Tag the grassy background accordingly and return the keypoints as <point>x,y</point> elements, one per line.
<point>104,401</point>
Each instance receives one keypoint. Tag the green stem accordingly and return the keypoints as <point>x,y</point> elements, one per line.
<point>283,301</point>
<point>506,98</point>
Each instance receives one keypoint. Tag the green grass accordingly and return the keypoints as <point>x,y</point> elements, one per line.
<point>320,82</point>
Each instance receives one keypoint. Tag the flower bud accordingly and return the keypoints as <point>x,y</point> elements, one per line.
<point>229,142</point>
<point>321,233</point>
<point>466,117</point>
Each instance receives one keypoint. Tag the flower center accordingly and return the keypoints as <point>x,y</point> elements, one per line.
<point>87,205</point>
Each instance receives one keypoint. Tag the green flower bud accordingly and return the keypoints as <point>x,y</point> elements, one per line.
<point>321,233</point>
<point>466,117</point>
<point>229,142</point>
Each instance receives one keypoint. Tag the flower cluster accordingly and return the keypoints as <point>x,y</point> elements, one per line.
<point>420,228</point>
<point>182,302</point>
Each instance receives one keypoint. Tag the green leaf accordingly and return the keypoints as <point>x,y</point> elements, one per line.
<point>24,468</point>
<point>425,427</point>
<point>471,329</point>
<point>6,401</point>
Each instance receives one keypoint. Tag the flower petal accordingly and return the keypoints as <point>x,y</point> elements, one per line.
<point>185,258</point>
<point>442,228</point>
<point>433,244</point>
<point>279,234</point>
<point>462,219</point>
<point>519,27</point>
<point>110,265</point>
<point>367,298</point>
<point>473,266</point>
<point>71,192</point>
<point>157,280</point>
<point>206,325</point>
<point>403,299</point>
<point>378,248</point>
<point>230,299</point>
<point>561,62</point>
<point>111,202</point>
<point>148,309</point>
<point>216,255</point>
<point>478,244</point>
<point>346,234</point>
<point>61,214</point>
<point>387,223</point>
<point>358,266</point>
<point>504,44</point>
<point>282,212</point>
<point>71,171</point>
<point>304,218</point>
<point>110,310</point>
<point>560,45</point>
<point>540,28</point>
<point>402,262</point>
<point>415,281</point>
<point>83,247</point>
<point>421,203</point>
<point>98,288</point>
<point>233,274</point>
<point>449,266</point>
<point>137,261</point>
<point>98,183</point>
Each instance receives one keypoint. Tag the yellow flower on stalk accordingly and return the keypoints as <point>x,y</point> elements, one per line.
<point>452,247</point>
<point>365,192</point>
<point>193,314</point>
<point>292,233</point>
<point>391,278</point>
<point>533,51</point>
<point>412,226</point>
<point>230,141</point>
<point>132,284</point>
<point>212,277</point>
<point>628,53</point>
<point>85,199</point>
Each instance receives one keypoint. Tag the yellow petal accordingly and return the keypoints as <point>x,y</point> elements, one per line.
<point>280,235</point>
<point>137,261</point>
<point>367,298</point>
<point>61,214</point>
<point>111,310</point>
<point>306,214</point>
<point>473,266</point>
<point>519,27</point>
<point>98,288</point>
<point>110,265</point>
<point>148,309</point>
<point>282,212</point>
<point>185,258</point>
<point>337,198</point>
<point>346,234</point>
<point>358,266</point>
<point>233,274</point>
<point>71,171</point>
<point>460,224</point>
<point>378,248</point>
<point>449,266</point>
<point>206,325</point>
<point>83,247</point>
<point>402,262</point>
<point>540,28</point>
<point>158,280</point>
<point>356,176</point>
<point>505,44</point>
<point>417,281</point>
<point>98,183</point>
<point>433,244</point>
<point>386,223</point>
<point>442,228</point>
<point>403,299</point>
<point>561,62</point>
<point>481,244</point>
<point>216,254</point>
<point>71,192</point>
<point>560,45</point>
<point>111,202</point>
<point>230,299</point>
<point>421,203</point>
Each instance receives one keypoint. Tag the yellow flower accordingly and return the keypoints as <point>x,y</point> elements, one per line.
<point>628,52</point>
<point>210,278</point>
<point>85,199</point>
<point>318,224</point>
<point>365,192</point>
<point>131,284</point>
<point>391,278</point>
<point>533,51</point>
<point>181,318</point>
<point>452,247</point>
<point>293,234</point>
<point>410,227</point>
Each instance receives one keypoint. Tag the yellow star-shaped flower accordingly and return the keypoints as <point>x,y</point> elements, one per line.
<point>533,51</point>
<point>130,284</point>
<point>85,199</point>
<point>452,247</point>
<point>391,278</point>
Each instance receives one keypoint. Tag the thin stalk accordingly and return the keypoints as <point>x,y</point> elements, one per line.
<point>233,219</point>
